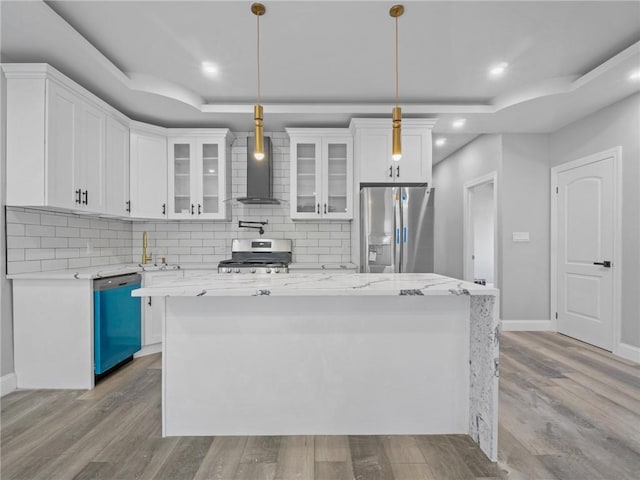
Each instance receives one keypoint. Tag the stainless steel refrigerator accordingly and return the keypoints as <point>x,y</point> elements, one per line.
<point>396,229</point>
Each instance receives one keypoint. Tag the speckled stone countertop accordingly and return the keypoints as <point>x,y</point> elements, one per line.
<point>314,284</point>
<point>91,273</point>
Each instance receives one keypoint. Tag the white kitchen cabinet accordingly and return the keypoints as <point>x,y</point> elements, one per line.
<point>321,174</point>
<point>117,194</point>
<point>148,157</point>
<point>152,313</point>
<point>56,141</point>
<point>199,174</point>
<point>373,151</point>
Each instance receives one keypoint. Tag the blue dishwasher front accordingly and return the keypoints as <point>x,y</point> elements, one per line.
<point>116,317</point>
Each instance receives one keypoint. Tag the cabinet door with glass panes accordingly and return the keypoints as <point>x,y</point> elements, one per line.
<point>182,201</point>
<point>306,172</point>
<point>337,180</point>
<point>197,172</point>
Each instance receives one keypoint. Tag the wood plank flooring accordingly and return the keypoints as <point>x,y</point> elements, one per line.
<point>568,411</point>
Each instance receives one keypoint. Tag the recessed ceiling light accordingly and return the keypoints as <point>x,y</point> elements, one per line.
<point>459,123</point>
<point>210,69</point>
<point>440,141</point>
<point>498,69</point>
<point>634,76</point>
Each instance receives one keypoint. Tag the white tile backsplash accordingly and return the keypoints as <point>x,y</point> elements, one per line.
<point>42,240</point>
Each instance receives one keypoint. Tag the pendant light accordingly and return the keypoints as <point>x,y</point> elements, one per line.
<point>396,148</point>
<point>258,10</point>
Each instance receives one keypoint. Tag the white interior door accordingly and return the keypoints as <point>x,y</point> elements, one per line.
<point>585,213</point>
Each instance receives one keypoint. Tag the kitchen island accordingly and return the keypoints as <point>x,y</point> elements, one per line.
<point>318,353</point>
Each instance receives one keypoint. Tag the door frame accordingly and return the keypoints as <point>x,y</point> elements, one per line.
<point>467,245</point>
<point>616,153</point>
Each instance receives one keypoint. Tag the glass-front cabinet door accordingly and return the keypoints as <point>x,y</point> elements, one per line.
<point>209,180</point>
<point>305,175</point>
<point>337,178</point>
<point>180,178</point>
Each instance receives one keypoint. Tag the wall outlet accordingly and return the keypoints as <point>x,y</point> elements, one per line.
<point>520,236</point>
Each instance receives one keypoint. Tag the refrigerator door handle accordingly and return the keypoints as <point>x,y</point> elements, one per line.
<point>397,236</point>
<point>404,234</point>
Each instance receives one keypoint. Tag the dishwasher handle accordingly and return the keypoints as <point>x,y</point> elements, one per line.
<point>120,281</point>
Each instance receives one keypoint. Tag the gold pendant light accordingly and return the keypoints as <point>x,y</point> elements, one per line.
<point>258,10</point>
<point>396,148</point>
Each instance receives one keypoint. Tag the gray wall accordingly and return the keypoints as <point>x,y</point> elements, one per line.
<point>6,310</point>
<point>483,155</point>
<point>522,164</point>
<point>524,207</point>
<point>615,125</point>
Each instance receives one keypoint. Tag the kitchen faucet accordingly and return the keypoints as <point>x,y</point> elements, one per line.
<point>145,258</point>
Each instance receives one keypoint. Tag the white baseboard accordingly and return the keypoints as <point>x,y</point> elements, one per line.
<point>628,352</point>
<point>527,326</point>
<point>148,350</point>
<point>8,383</point>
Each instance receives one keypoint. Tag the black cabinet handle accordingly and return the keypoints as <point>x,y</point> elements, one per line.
<point>78,196</point>
<point>199,209</point>
<point>605,264</point>
<point>149,303</point>
<point>390,172</point>
<point>398,171</point>
<point>192,209</point>
<point>85,200</point>
<point>318,209</point>
<point>325,208</point>
<point>128,203</point>
<point>164,208</point>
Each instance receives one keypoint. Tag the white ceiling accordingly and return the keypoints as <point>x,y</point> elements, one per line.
<point>324,62</point>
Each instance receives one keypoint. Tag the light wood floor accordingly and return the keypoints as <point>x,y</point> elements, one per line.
<point>568,411</point>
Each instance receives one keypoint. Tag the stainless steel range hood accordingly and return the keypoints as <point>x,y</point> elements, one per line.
<point>259,176</point>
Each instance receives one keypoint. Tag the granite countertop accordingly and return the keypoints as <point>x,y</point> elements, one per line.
<point>91,273</point>
<point>331,267</point>
<point>314,284</point>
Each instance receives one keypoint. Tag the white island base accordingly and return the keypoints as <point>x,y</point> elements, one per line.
<point>323,364</point>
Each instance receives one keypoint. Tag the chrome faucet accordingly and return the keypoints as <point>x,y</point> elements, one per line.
<point>145,258</point>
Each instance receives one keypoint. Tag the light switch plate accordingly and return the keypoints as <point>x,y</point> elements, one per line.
<point>520,236</point>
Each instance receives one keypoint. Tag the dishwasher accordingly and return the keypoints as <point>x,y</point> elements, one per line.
<point>116,322</point>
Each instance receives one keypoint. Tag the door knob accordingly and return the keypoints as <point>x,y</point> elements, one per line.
<point>605,264</point>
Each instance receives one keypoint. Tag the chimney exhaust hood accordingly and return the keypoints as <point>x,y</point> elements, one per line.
<point>259,176</point>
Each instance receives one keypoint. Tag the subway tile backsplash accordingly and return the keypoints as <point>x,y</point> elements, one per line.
<point>43,240</point>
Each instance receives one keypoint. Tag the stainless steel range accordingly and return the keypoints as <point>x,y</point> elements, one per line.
<point>258,256</point>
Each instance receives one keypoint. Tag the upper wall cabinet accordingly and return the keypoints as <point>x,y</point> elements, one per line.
<point>373,151</point>
<point>199,174</point>
<point>117,194</point>
<point>58,142</point>
<point>321,173</point>
<point>148,174</point>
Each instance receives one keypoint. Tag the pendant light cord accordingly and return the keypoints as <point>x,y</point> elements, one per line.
<point>396,61</point>
<point>258,56</point>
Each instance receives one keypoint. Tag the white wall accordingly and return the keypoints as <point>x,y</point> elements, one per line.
<point>480,157</point>
<point>615,125</point>
<point>483,231</point>
<point>6,310</point>
<point>524,207</point>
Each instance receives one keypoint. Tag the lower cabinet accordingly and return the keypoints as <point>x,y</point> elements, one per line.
<point>151,312</point>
